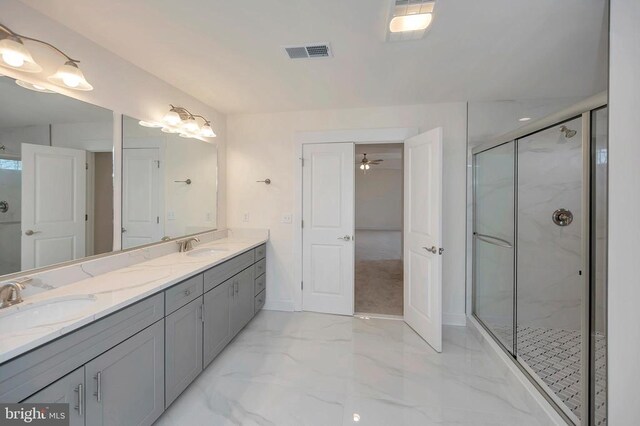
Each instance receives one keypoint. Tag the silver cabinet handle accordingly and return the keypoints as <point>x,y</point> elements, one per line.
<point>433,249</point>
<point>30,232</point>
<point>236,287</point>
<point>98,393</point>
<point>80,405</point>
<point>345,238</point>
<point>202,313</point>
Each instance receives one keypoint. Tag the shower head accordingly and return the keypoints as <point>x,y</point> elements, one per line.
<point>568,133</point>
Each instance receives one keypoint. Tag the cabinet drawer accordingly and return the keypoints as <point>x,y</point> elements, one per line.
<point>219,274</point>
<point>183,293</point>
<point>261,267</point>
<point>260,284</point>
<point>261,252</point>
<point>259,301</point>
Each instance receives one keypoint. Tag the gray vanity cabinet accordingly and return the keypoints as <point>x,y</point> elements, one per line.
<point>217,319</point>
<point>125,385</point>
<point>183,348</point>
<point>69,390</point>
<point>242,304</point>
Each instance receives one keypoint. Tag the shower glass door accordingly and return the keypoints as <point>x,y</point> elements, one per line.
<point>494,240</point>
<point>550,262</point>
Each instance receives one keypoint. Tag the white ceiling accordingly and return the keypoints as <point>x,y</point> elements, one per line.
<point>229,54</point>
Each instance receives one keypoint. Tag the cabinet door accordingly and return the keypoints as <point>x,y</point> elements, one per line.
<point>69,390</point>
<point>125,385</point>
<point>242,306</point>
<point>217,320</point>
<point>183,342</point>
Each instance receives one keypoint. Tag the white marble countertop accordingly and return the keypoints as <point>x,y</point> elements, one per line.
<point>104,294</point>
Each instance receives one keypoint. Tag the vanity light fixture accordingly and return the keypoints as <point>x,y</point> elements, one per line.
<point>16,56</point>
<point>180,120</point>
<point>34,87</point>
<point>149,124</point>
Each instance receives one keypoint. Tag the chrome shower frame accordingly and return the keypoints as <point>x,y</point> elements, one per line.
<point>584,111</point>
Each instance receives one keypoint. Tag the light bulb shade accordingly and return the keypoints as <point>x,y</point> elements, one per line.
<point>16,56</point>
<point>169,129</point>
<point>69,76</point>
<point>367,167</point>
<point>34,87</point>
<point>207,131</point>
<point>151,124</point>
<point>415,22</point>
<point>172,118</point>
<point>190,125</point>
<point>185,135</point>
<point>361,166</point>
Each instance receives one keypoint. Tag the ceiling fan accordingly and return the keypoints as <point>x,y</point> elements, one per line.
<point>366,164</point>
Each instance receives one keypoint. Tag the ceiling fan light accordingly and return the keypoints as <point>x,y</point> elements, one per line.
<point>16,56</point>
<point>69,76</point>
<point>415,22</point>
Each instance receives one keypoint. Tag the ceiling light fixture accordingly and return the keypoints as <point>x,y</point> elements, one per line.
<point>180,120</point>
<point>524,119</point>
<point>15,55</point>
<point>410,19</point>
<point>34,87</point>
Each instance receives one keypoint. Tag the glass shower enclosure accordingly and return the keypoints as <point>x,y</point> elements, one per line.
<point>539,285</point>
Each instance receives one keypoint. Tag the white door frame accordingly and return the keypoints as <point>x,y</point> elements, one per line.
<point>368,136</point>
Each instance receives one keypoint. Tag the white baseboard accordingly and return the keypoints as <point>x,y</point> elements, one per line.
<point>454,319</point>
<point>279,305</point>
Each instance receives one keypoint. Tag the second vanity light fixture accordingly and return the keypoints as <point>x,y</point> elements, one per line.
<point>180,120</point>
<point>15,55</point>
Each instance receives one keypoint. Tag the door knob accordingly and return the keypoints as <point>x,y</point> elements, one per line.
<point>30,232</point>
<point>345,238</point>
<point>433,249</point>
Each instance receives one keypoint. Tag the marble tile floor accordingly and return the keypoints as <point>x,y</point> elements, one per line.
<point>314,369</point>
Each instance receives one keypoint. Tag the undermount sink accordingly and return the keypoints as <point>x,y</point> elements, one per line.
<point>204,252</point>
<point>46,312</point>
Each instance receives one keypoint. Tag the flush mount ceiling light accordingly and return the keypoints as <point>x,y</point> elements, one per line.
<point>410,19</point>
<point>14,55</point>
<point>180,120</point>
<point>524,119</point>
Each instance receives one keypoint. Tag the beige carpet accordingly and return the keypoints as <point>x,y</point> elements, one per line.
<point>379,287</point>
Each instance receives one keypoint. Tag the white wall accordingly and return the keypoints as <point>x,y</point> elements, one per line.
<point>118,84</point>
<point>379,199</point>
<point>624,205</point>
<point>262,145</point>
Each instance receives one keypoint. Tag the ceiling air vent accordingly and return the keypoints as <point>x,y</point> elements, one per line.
<point>316,50</point>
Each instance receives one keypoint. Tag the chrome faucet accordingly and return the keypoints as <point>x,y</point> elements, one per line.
<point>187,244</point>
<point>11,292</point>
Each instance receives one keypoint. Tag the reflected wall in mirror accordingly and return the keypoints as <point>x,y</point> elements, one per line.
<point>56,179</point>
<point>169,185</point>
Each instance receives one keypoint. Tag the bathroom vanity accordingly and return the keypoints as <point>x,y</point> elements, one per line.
<point>143,339</point>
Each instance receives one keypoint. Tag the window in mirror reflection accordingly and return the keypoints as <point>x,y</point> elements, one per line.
<point>56,179</point>
<point>169,185</point>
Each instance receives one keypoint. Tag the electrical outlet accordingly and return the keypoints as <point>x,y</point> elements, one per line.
<point>286,218</point>
<point>209,216</point>
<point>171,215</point>
<point>245,217</point>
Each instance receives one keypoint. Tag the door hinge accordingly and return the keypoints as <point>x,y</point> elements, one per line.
<point>302,285</point>
<point>157,219</point>
<point>158,162</point>
<point>302,223</point>
<point>86,166</point>
<point>86,217</point>
<point>302,161</point>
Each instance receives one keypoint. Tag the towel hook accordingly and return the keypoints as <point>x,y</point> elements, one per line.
<point>188,181</point>
<point>266,181</point>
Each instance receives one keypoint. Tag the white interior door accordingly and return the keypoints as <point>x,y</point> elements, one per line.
<point>141,222</point>
<point>328,228</point>
<point>423,235</point>
<point>53,205</point>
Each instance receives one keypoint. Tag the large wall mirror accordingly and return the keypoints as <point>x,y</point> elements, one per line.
<point>169,185</point>
<point>56,179</point>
